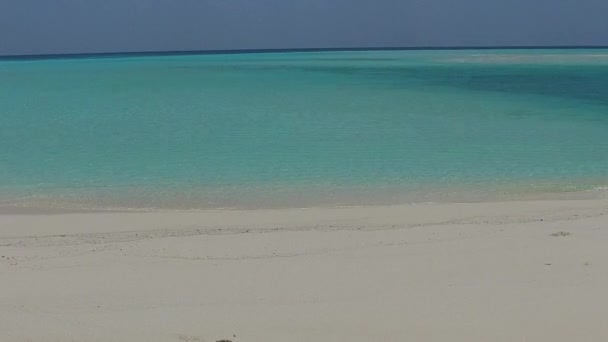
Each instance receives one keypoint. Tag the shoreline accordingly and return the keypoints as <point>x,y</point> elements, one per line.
<point>59,205</point>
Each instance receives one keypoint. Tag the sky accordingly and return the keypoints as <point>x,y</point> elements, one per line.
<point>90,26</point>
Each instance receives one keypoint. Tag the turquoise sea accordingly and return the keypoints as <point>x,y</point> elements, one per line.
<point>303,128</point>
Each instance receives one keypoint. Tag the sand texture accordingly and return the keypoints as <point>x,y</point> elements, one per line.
<point>511,271</point>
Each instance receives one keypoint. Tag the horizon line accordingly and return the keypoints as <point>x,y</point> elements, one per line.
<point>75,55</point>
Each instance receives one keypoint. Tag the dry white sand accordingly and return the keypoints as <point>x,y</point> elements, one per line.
<point>513,271</point>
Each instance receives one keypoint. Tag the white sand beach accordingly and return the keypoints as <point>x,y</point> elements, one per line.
<point>510,271</point>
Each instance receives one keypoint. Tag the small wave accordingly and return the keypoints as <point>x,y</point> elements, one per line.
<point>602,188</point>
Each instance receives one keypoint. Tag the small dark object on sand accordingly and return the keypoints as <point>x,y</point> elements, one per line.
<point>224,341</point>
<point>558,234</point>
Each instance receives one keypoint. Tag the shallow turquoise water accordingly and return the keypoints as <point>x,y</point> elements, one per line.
<point>300,129</point>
